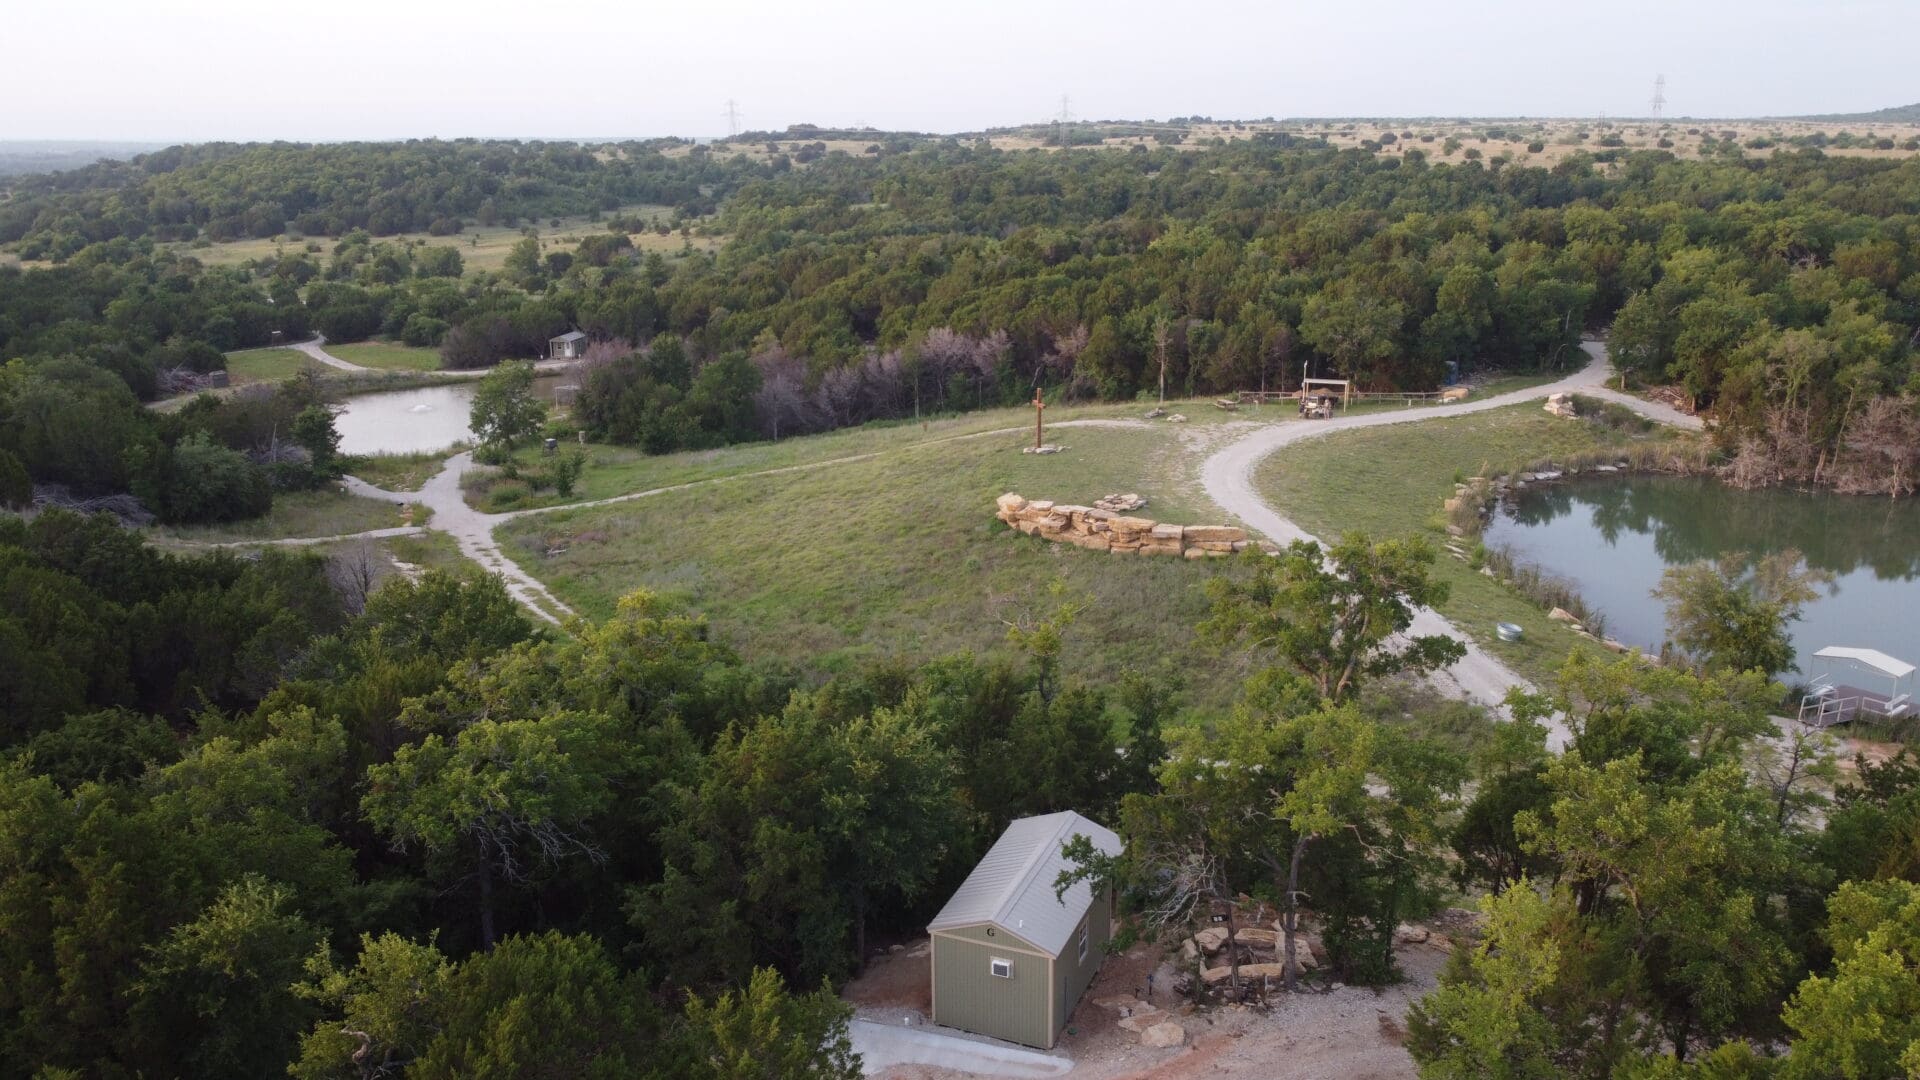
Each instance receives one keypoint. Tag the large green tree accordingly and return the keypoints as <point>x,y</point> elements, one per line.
<point>1340,615</point>
<point>505,411</point>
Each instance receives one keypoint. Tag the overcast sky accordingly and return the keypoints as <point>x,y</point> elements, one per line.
<point>341,69</point>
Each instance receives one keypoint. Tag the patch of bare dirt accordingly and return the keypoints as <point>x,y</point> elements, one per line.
<point>1352,1033</point>
<point>902,980</point>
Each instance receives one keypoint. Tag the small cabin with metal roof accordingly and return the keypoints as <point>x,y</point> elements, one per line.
<point>1010,958</point>
<point>571,345</point>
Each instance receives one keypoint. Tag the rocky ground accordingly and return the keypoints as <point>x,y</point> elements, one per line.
<point>1349,1033</point>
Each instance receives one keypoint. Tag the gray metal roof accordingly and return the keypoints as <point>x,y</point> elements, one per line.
<point>1012,887</point>
<point>571,335</point>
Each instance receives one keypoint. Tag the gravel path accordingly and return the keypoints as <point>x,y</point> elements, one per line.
<point>316,348</point>
<point>472,530</point>
<point>1228,477</point>
<point>307,541</point>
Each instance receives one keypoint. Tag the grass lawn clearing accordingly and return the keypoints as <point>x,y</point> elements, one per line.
<point>399,472</point>
<point>269,365</point>
<point>481,247</point>
<point>621,470</point>
<point>899,555</point>
<point>387,356</point>
<point>1391,481</point>
<point>331,512</point>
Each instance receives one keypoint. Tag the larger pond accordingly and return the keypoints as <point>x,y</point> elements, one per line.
<point>422,420</point>
<point>1614,537</point>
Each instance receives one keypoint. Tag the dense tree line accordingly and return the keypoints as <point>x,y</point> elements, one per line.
<point>250,821</point>
<point>1684,890</point>
<point>224,191</point>
<point>244,826</point>
<point>1781,293</point>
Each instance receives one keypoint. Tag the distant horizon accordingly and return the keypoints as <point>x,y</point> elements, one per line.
<point>375,70</point>
<point>163,142</point>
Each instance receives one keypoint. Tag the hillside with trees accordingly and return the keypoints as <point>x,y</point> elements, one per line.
<point>1782,295</point>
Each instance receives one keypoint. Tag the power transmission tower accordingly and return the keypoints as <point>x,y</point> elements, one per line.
<point>1066,109</point>
<point>1659,104</point>
<point>733,115</point>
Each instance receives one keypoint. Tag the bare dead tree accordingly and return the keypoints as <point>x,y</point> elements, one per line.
<point>1160,338</point>
<point>355,571</point>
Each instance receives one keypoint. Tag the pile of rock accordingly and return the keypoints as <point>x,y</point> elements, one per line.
<point>1046,448</point>
<point>1104,530</point>
<point>1561,405</point>
<point>1257,943</point>
<point>1150,1024</point>
<point>1120,504</point>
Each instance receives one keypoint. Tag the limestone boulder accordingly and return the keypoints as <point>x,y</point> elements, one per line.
<point>1214,976</point>
<point>1159,549</point>
<point>1166,531</point>
<point>1140,1021</point>
<point>1201,534</point>
<point>1010,503</point>
<point>1562,615</point>
<point>1164,1035</point>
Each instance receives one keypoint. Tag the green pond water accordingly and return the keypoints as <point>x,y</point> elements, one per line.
<point>1612,538</point>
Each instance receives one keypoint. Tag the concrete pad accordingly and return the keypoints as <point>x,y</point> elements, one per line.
<point>882,1046</point>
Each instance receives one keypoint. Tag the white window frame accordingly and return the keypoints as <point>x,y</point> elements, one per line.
<point>996,963</point>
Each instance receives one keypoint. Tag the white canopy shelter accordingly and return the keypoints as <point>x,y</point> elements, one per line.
<point>1873,658</point>
<point>1830,700</point>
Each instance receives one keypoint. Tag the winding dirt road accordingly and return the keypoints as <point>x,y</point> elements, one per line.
<point>1228,477</point>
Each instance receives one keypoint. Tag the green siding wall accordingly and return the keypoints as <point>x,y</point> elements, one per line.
<point>1071,975</point>
<point>968,996</point>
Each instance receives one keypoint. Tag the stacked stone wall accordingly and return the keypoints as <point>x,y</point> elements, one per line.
<point>1122,534</point>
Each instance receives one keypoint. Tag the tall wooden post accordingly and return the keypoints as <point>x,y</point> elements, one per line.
<point>1039,430</point>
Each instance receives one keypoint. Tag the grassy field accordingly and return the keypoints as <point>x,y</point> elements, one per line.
<point>398,472</point>
<point>268,365</point>
<point>1391,482</point>
<point>429,551</point>
<point>481,247</point>
<point>294,514</point>
<point>622,470</point>
<point>387,356</point>
<point>899,554</point>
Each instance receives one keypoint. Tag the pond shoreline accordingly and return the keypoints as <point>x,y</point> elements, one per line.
<point>1611,542</point>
